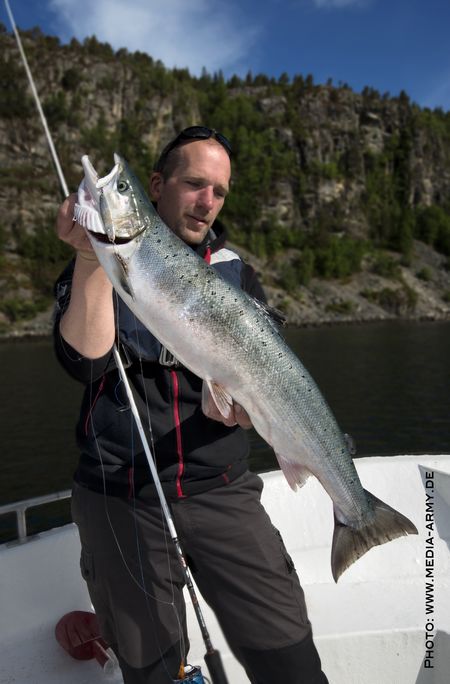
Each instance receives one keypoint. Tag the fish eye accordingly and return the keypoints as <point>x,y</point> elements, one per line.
<point>122,186</point>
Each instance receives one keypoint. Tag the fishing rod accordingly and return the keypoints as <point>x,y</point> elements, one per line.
<point>212,656</point>
<point>53,152</point>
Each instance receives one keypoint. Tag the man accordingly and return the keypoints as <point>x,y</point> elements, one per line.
<point>236,556</point>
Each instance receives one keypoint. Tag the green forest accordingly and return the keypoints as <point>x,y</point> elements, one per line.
<point>285,133</point>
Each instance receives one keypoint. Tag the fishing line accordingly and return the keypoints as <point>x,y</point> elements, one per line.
<point>147,594</point>
<point>150,429</point>
<point>142,586</point>
<point>62,303</point>
<point>153,452</point>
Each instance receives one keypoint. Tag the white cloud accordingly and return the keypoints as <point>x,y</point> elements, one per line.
<point>194,34</point>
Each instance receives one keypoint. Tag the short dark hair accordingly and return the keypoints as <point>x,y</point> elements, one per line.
<point>167,159</point>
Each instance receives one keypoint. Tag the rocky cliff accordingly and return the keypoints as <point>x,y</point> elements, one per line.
<point>340,199</point>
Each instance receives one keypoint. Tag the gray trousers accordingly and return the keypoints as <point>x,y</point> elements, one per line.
<point>238,561</point>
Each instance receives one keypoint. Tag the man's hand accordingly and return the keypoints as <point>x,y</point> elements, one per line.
<point>238,415</point>
<point>69,230</point>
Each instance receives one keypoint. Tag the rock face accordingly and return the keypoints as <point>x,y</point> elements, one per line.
<point>414,293</point>
<point>313,166</point>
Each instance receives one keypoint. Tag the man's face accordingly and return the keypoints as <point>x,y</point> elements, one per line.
<point>191,198</point>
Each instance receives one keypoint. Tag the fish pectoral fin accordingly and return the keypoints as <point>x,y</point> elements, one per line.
<point>120,269</point>
<point>295,473</point>
<point>222,399</point>
<point>350,543</point>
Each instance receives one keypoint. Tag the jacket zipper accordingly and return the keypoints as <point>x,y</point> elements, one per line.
<point>176,416</point>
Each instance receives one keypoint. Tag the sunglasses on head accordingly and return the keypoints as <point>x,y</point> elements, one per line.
<point>192,133</point>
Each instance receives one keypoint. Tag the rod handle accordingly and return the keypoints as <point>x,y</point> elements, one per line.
<point>215,667</point>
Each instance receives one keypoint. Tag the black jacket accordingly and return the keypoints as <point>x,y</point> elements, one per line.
<point>192,453</point>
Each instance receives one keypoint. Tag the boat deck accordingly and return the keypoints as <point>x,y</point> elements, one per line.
<point>369,628</point>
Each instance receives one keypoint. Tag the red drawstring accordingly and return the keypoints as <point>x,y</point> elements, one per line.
<point>176,415</point>
<point>91,410</point>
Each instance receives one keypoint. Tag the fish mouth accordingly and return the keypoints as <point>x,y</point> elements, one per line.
<point>107,215</point>
<point>94,184</point>
<point>87,209</point>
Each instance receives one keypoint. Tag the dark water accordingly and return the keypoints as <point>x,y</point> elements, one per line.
<point>387,383</point>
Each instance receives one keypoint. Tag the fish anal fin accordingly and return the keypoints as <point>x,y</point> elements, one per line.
<point>295,473</point>
<point>350,543</point>
<point>221,397</point>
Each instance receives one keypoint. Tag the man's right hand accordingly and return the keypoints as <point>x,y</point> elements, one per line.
<point>88,322</point>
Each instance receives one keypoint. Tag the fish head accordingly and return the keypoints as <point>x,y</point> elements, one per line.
<point>119,199</point>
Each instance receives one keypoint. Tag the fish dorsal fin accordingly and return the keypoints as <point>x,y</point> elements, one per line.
<point>275,316</point>
<point>221,397</point>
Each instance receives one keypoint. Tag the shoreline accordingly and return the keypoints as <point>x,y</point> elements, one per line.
<point>44,332</point>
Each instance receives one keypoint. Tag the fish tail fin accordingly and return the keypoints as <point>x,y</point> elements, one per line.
<point>350,543</point>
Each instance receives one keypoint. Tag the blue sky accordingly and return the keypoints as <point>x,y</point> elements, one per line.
<point>390,45</point>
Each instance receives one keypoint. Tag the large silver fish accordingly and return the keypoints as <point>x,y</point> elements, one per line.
<point>223,336</point>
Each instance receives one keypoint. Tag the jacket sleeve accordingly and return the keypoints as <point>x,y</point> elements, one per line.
<point>79,367</point>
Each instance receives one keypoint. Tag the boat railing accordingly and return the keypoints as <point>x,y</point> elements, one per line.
<point>20,509</point>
